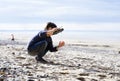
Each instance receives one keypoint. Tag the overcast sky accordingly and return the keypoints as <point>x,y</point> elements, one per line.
<point>25,14</point>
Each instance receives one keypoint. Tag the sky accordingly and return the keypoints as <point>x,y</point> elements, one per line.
<point>73,14</point>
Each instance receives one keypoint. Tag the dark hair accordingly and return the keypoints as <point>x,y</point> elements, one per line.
<point>50,24</point>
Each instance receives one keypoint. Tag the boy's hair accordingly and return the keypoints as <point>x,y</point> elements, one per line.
<point>50,24</point>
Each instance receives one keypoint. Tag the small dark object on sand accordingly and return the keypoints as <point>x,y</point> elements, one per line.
<point>81,79</point>
<point>119,52</point>
<point>13,53</point>
<point>94,80</point>
<point>30,80</point>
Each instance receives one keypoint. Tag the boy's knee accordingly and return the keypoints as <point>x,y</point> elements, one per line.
<point>44,44</point>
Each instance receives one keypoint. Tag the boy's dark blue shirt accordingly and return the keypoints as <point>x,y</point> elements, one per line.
<point>42,36</point>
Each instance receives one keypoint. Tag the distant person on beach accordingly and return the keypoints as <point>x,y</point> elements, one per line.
<point>12,37</point>
<point>42,42</point>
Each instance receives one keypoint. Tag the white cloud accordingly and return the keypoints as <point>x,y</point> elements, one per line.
<point>21,11</point>
<point>46,8</point>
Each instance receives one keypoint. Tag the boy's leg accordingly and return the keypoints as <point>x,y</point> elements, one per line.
<point>40,55</point>
<point>38,48</point>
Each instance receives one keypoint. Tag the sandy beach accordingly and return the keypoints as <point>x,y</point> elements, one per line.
<point>76,61</point>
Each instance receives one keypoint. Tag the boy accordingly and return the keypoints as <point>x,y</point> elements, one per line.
<point>42,42</point>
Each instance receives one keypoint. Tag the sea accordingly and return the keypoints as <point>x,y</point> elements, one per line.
<point>80,35</point>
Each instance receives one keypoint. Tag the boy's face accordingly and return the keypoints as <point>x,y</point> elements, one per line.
<point>49,28</point>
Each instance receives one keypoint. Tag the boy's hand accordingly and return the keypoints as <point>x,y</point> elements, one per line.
<point>61,43</point>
